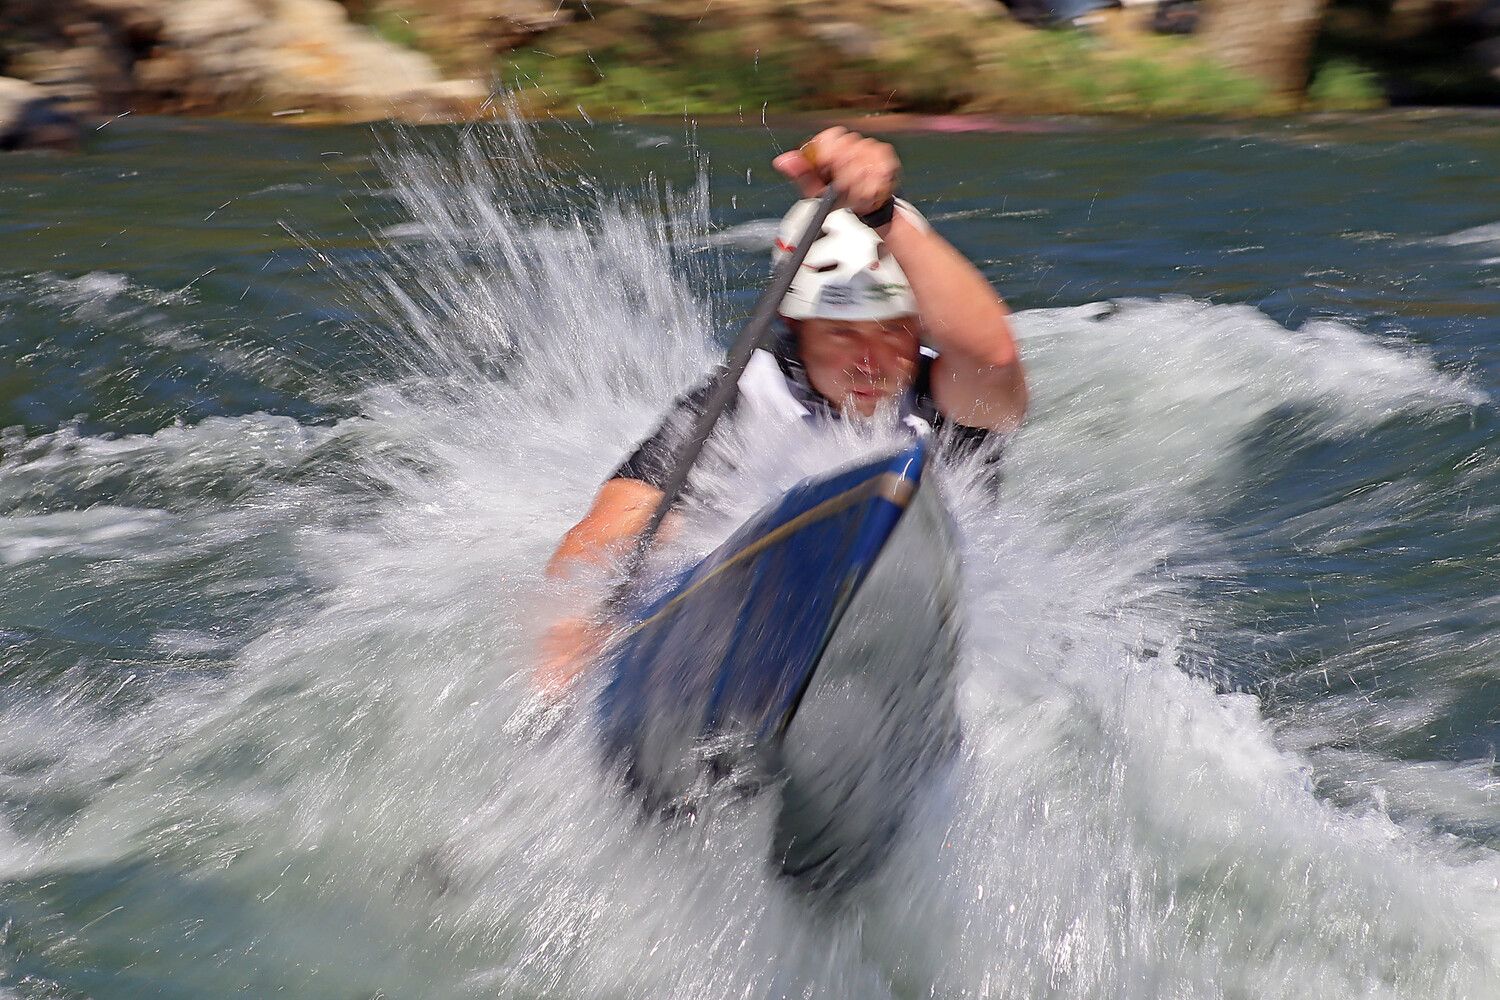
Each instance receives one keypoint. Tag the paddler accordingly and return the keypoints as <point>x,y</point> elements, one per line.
<point>885,319</point>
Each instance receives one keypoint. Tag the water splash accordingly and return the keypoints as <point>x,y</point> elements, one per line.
<point>351,800</point>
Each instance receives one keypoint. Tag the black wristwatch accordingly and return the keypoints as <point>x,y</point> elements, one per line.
<point>882,216</point>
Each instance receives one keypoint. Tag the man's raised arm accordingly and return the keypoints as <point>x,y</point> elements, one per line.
<point>978,379</point>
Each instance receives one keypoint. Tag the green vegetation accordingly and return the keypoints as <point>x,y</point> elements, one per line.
<point>395,26</point>
<point>1344,85</point>
<point>1067,71</point>
<point>924,70</point>
<point>1018,70</point>
<point>711,80</point>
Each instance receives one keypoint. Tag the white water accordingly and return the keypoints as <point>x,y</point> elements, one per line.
<point>365,800</point>
<point>1477,235</point>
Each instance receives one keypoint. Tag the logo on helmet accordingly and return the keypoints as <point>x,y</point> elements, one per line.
<point>837,295</point>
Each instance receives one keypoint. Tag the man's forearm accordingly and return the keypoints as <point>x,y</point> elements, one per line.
<point>612,525</point>
<point>960,310</point>
<point>617,518</point>
<point>979,380</point>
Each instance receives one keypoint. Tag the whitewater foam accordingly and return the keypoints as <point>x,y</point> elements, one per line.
<point>355,800</point>
<point>1478,235</point>
<point>214,457</point>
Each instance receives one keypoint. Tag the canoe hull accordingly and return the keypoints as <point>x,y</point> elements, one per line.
<point>813,649</point>
<point>879,719</point>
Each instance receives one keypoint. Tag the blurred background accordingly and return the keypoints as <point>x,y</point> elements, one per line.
<point>439,59</point>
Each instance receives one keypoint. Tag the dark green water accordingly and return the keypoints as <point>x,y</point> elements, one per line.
<point>293,417</point>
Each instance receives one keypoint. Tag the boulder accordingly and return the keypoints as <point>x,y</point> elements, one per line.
<point>80,51</point>
<point>473,31</point>
<point>106,56</point>
<point>31,119</point>
<point>274,54</point>
<point>1271,40</point>
<point>854,41</point>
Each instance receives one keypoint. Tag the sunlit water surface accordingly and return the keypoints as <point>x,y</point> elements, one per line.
<point>294,418</point>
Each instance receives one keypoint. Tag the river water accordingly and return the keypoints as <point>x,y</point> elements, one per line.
<point>293,418</point>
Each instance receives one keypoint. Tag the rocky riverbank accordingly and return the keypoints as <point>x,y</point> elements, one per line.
<point>254,57</point>
<point>437,59</point>
<point>31,119</point>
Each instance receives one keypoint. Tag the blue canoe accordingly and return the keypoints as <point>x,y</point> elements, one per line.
<point>813,650</point>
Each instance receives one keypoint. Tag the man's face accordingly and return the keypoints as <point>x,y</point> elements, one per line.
<point>858,364</point>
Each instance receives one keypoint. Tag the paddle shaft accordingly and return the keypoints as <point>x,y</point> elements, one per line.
<point>751,336</point>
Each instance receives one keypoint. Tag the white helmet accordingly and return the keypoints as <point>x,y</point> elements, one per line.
<point>846,275</point>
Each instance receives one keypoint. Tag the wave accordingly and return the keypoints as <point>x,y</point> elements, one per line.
<point>91,295</point>
<point>178,466</point>
<point>1477,235</point>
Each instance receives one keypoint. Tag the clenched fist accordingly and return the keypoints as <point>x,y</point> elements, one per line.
<point>864,170</point>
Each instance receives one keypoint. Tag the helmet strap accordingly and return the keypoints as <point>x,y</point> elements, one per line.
<point>787,349</point>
